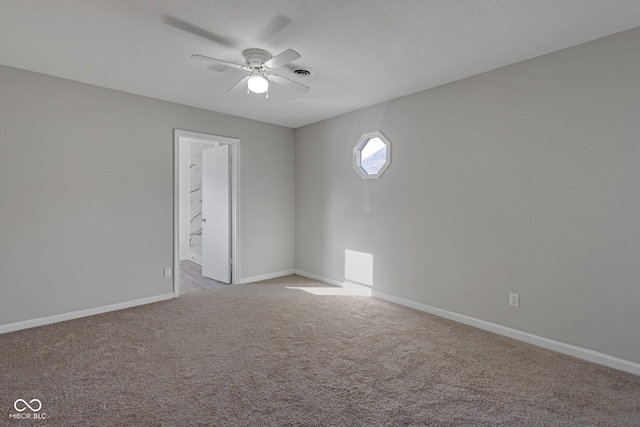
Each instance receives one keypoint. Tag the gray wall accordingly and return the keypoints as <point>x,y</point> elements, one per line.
<point>522,179</point>
<point>86,194</point>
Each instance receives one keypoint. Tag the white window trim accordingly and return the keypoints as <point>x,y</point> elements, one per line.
<point>357,151</point>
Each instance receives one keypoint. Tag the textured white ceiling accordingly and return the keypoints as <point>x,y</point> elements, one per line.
<point>363,51</point>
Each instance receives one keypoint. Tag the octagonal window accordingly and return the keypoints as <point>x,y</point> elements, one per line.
<point>372,155</point>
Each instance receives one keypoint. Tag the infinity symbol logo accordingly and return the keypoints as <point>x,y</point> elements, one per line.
<point>26,405</point>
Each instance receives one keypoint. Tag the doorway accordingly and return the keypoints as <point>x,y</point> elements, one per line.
<point>206,231</point>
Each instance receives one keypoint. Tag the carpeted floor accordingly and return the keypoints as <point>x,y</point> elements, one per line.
<point>192,280</point>
<point>288,352</point>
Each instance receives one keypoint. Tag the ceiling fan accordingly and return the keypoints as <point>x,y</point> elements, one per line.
<point>259,63</point>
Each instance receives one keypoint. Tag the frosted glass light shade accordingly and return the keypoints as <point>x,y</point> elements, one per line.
<point>258,84</point>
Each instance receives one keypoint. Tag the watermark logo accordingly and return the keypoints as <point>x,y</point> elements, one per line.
<point>34,406</point>
<point>21,405</point>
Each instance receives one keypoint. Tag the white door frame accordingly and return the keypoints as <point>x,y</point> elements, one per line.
<point>234,150</point>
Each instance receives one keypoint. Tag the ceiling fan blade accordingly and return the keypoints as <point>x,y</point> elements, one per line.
<point>283,58</point>
<point>237,83</point>
<point>273,27</point>
<point>288,83</point>
<point>219,61</point>
<point>190,28</point>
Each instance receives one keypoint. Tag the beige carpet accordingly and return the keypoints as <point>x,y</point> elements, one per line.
<point>267,354</point>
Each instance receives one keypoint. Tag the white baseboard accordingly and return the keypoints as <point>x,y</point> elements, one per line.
<point>361,289</point>
<point>41,321</point>
<point>568,349</point>
<point>571,350</point>
<point>251,279</point>
<point>318,278</point>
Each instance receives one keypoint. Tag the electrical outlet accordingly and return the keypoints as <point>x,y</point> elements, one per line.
<point>514,299</point>
<point>167,272</point>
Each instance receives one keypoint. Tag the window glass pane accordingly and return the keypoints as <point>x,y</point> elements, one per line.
<point>373,156</point>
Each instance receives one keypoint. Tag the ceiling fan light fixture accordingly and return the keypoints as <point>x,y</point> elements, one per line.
<point>260,62</point>
<point>257,84</point>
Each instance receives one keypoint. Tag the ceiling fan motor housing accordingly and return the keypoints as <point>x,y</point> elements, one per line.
<point>255,58</point>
